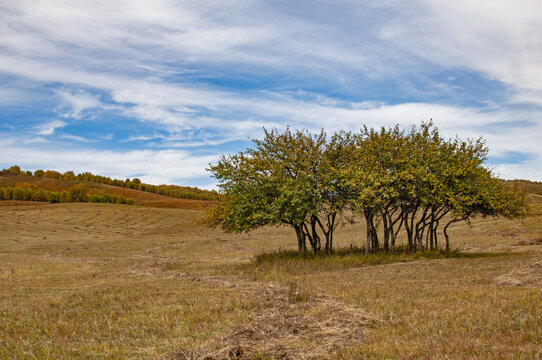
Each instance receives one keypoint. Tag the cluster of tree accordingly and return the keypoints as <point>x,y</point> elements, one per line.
<point>396,178</point>
<point>15,170</point>
<point>77,193</point>
<point>180,192</point>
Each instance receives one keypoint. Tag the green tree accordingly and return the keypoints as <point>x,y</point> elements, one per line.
<point>415,178</point>
<point>53,198</point>
<point>287,178</point>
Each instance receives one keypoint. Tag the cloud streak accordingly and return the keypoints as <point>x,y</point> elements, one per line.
<point>50,127</point>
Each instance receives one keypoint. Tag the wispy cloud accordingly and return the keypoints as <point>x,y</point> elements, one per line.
<point>50,127</point>
<point>76,102</point>
<point>75,138</point>
<point>497,38</point>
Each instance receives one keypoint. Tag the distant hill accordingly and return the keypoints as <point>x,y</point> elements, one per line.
<point>531,187</point>
<point>56,182</point>
<point>180,192</point>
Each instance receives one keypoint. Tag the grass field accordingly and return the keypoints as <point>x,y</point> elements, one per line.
<point>92,281</point>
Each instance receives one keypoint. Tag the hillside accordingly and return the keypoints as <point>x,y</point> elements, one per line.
<point>140,197</point>
<point>532,187</point>
<point>175,191</point>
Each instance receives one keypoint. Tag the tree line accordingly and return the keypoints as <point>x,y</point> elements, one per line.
<point>411,179</point>
<point>180,192</point>
<point>77,193</point>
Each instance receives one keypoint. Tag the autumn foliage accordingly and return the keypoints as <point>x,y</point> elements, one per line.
<point>179,192</point>
<point>77,193</point>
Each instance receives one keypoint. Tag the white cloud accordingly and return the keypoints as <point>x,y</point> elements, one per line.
<point>525,170</point>
<point>499,38</point>
<point>78,101</point>
<point>75,138</point>
<point>50,127</point>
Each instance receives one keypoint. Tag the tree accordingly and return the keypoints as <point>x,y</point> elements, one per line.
<point>78,193</point>
<point>68,175</point>
<point>395,178</point>
<point>287,178</point>
<point>15,170</point>
<point>53,199</point>
<point>415,178</point>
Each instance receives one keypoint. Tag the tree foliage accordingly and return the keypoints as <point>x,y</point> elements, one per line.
<point>412,179</point>
<point>286,179</point>
<point>77,193</point>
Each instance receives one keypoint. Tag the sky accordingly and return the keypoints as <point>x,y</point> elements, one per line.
<point>160,89</point>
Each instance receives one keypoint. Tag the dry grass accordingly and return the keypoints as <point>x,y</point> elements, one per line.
<point>114,281</point>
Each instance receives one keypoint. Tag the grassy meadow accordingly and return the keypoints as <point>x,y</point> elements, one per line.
<point>93,281</point>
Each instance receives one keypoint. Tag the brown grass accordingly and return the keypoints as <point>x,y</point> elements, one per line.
<point>114,281</point>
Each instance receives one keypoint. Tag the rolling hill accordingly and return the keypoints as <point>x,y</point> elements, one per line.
<point>140,197</point>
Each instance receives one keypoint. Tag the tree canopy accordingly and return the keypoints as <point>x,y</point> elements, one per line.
<point>396,178</point>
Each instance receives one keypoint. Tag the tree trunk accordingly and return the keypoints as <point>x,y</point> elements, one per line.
<point>328,231</point>
<point>315,235</point>
<point>430,234</point>
<point>329,239</point>
<point>369,221</point>
<point>420,237</point>
<point>419,231</point>
<point>409,232</point>
<point>446,232</point>
<point>311,239</point>
<point>435,236</point>
<point>301,239</point>
<point>386,231</point>
<point>394,232</point>
<point>374,235</point>
<point>329,234</point>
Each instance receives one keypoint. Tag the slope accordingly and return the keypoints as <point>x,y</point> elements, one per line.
<point>140,197</point>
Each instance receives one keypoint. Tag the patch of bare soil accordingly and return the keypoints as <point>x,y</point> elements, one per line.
<point>290,324</point>
<point>530,275</point>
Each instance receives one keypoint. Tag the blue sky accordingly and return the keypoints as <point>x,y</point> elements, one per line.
<point>159,89</point>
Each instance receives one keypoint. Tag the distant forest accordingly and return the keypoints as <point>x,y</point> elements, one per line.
<point>77,193</point>
<point>179,192</point>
